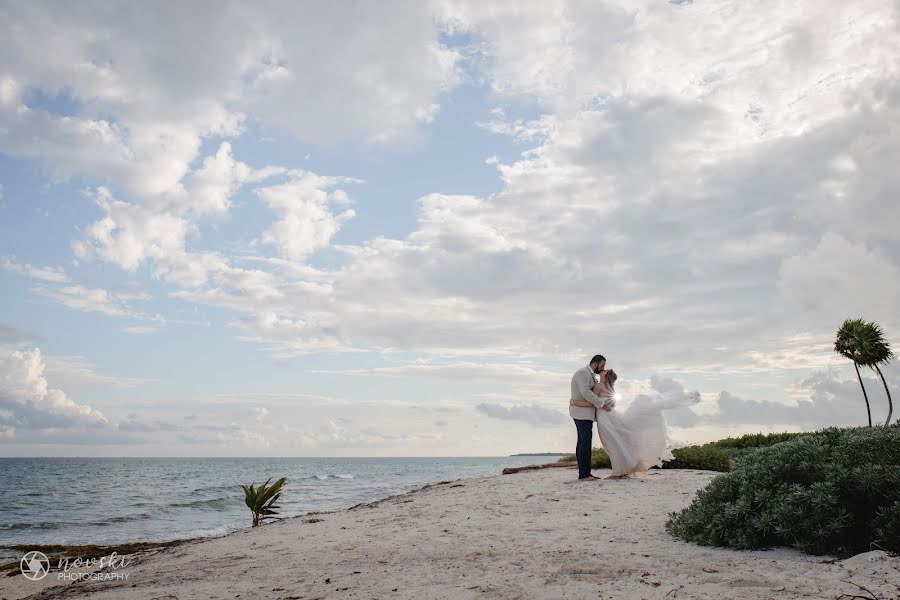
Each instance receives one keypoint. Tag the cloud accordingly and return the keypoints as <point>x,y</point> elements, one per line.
<point>129,234</point>
<point>28,401</point>
<point>822,398</point>
<point>78,373</point>
<point>705,207</point>
<point>306,222</point>
<point>514,374</point>
<point>141,125</point>
<point>822,283</point>
<point>81,298</point>
<point>134,424</point>
<point>52,274</point>
<point>139,329</point>
<point>531,414</point>
<point>592,249</point>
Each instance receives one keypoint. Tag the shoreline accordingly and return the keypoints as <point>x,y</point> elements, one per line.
<point>535,534</point>
<point>153,544</point>
<point>137,548</point>
<point>159,543</point>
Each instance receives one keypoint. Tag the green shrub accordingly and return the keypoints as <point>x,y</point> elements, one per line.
<point>836,491</point>
<point>740,447</point>
<point>756,440</point>
<point>704,458</point>
<point>886,526</point>
<point>599,458</point>
<point>720,455</point>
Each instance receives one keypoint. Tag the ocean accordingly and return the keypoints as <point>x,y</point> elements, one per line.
<point>116,500</point>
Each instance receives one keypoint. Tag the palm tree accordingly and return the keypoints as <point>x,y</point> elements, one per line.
<point>848,343</point>
<point>261,500</point>
<point>877,351</point>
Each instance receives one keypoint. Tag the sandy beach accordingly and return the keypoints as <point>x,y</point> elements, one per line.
<point>533,534</point>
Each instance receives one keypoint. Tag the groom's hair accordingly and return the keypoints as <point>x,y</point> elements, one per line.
<point>597,358</point>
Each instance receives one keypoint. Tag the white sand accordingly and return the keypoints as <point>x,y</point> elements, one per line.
<point>527,535</point>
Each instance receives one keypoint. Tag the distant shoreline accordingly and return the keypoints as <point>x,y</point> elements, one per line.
<point>541,454</point>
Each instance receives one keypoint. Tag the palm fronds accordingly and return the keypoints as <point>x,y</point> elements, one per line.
<point>261,500</point>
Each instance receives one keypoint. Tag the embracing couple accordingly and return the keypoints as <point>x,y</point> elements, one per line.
<point>634,440</point>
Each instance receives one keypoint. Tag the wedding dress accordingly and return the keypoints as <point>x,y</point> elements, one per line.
<point>635,439</point>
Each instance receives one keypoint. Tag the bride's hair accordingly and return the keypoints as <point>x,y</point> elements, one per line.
<point>611,378</point>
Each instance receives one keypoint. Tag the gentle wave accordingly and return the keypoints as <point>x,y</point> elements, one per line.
<point>37,525</point>
<point>106,522</point>
<point>211,531</point>
<point>328,476</point>
<point>221,503</point>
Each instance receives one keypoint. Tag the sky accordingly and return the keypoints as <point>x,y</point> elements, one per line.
<point>397,229</point>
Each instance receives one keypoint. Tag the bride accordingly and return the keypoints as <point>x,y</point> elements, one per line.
<point>635,439</point>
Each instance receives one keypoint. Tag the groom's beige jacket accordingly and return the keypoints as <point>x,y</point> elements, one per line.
<point>583,389</point>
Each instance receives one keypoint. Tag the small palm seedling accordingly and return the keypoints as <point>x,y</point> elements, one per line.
<point>261,500</point>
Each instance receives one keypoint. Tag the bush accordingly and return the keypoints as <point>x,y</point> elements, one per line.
<point>836,491</point>
<point>714,456</point>
<point>599,459</point>
<point>756,440</point>
<point>704,458</point>
<point>739,447</point>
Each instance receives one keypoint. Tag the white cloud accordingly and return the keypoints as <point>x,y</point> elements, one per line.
<point>28,400</point>
<point>52,274</point>
<point>76,373</point>
<point>209,188</point>
<point>773,70</point>
<point>129,234</point>
<point>838,279</point>
<point>85,299</point>
<point>531,414</point>
<point>139,329</point>
<point>706,206</point>
<point>141,116</point>
<point>306,221</point>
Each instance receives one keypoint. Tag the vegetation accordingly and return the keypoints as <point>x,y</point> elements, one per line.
<point>704,458</point>
<point>714,456</point>
<point>836,491</point>
<point>261,500</point>
<point>599,459</point>
<point>755,440</point>
<point>847,343</point>
<point>863,342</point>
<point>877,352</point>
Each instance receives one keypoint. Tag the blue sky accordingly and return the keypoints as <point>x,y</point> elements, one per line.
<point>398,231</point>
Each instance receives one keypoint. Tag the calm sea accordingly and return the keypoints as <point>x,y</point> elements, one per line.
<point>114,500</point>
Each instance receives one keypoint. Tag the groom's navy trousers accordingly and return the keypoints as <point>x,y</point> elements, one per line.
<point>583,446</point>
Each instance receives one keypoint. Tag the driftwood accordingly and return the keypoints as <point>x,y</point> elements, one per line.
<point>553,465</point>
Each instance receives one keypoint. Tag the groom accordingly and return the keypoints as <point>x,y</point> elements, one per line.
<point>582,389</point>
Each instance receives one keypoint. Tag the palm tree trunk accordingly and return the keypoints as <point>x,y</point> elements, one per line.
<point>858,376</point>
<point>888,392</point>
